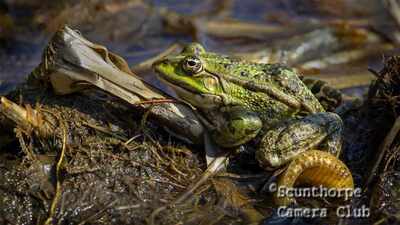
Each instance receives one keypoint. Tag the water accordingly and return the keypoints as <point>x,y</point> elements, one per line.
<point>135,30</point>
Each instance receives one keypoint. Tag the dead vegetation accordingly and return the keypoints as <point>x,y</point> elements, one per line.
<point>121,174</point>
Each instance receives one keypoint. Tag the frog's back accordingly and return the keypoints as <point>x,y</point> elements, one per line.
<point>288,81</point>
<point>274,80</point>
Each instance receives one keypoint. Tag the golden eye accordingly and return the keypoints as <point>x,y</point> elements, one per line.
<point>192,65</point>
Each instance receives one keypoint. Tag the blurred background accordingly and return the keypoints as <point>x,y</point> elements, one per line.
<point>336,40</point>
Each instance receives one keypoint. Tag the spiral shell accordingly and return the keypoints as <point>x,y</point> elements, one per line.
<point>315,168</point>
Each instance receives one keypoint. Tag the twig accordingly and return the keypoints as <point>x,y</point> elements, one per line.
<point>57,195</point>
<point>168,182</point>
<point>394,9</point>
<point>241,176</point>
<point>156,101</point>
<point>387,142</point>
<point>98,213</point>
<point>391,158</point>
<point>212,167</point>
<point>105,130</point>
<point>128,207</point>
<point>19,134</point>
<point>131,139</point>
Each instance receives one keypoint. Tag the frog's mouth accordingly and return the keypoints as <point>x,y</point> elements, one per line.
<point>207,101</point>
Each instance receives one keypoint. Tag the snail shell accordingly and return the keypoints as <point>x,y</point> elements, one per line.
<point>314,168</point>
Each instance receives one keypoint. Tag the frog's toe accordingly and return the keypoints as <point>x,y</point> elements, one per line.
<point>329,97</point>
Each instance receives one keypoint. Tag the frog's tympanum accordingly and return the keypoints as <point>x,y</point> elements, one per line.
<point>243,101</point>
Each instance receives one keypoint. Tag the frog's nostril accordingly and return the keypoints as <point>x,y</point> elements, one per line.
<point>191,63</point>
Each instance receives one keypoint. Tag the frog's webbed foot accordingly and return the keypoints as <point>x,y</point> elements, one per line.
<point>237,127</point>
<point>290,138</point>
<point>329,97</point>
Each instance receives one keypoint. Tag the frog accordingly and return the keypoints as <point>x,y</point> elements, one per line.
<point>244,102</point>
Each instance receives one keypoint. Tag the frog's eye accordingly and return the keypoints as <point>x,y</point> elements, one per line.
<point>192,65</point>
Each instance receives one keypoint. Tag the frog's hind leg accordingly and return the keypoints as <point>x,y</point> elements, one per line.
<point>283,142</point>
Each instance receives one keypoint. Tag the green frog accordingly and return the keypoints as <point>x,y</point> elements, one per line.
<point>242,101</point>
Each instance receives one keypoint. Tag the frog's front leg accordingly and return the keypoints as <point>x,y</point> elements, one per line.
<point>283,142</point>
<point>235,127</point>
